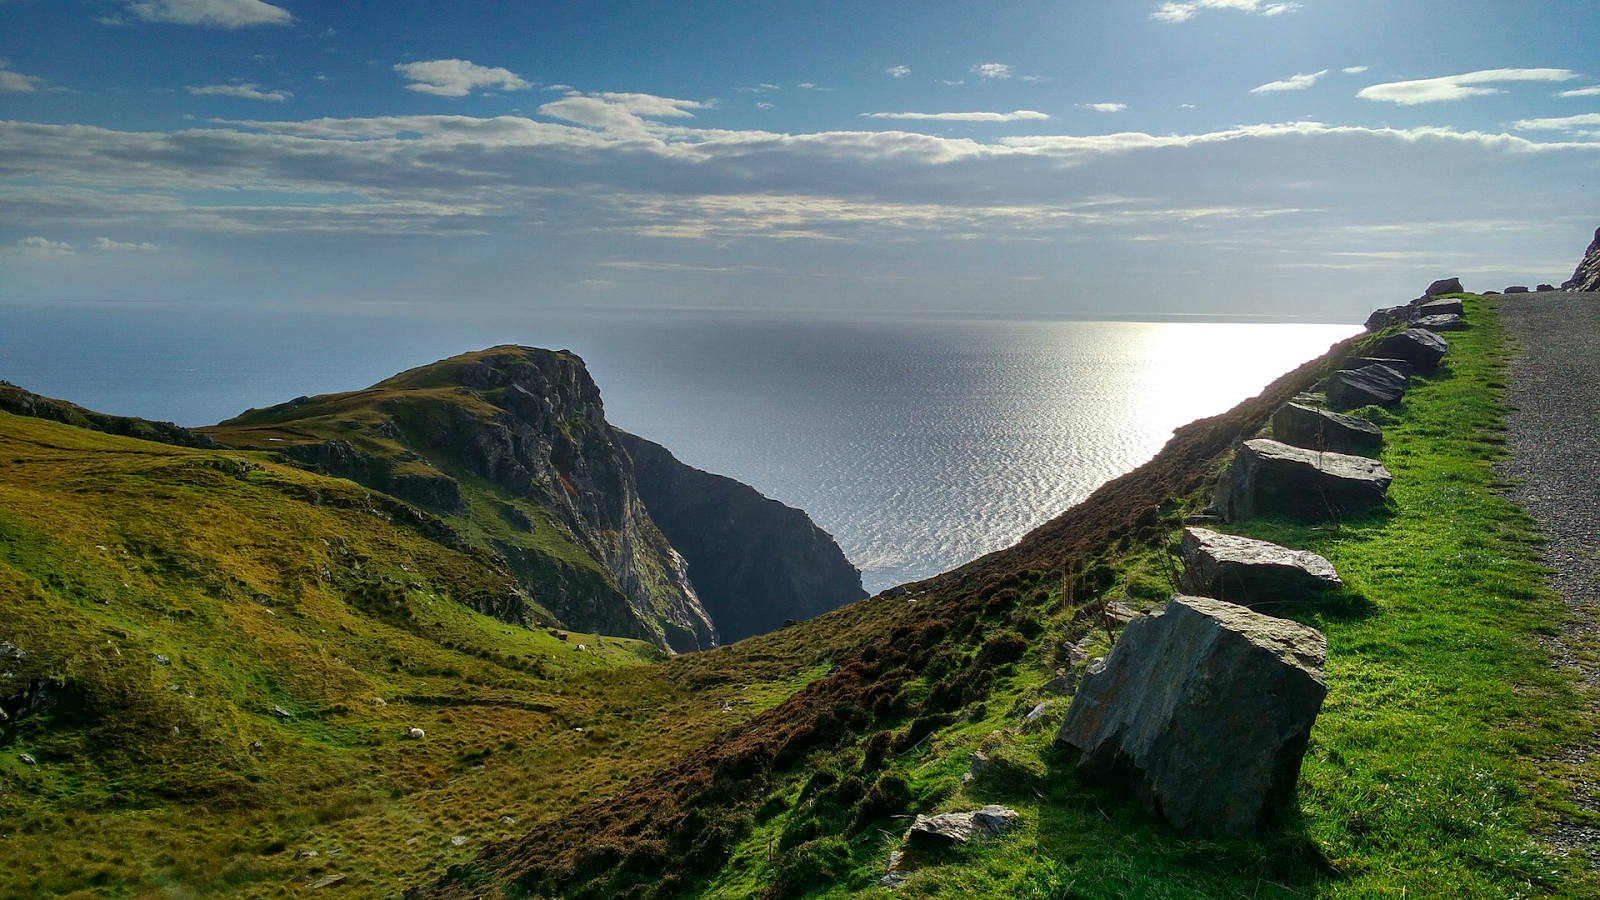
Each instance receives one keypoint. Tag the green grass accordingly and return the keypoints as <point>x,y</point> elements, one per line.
<point>1424,775</point>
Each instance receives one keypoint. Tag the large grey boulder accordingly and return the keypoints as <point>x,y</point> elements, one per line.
<point>1440,323</point>
<point>1517,289</point>
<point>1390,315</point>
<point>1450,307</point>
<point>1203,714</point>
<point>1366,386</point>
<point>1587,276</point>
<point>1321,429</point>
<point>1444,286</point>
<point>1422,349</point>
<point>1270,477</point>
<point>1361,362</point>
<point>1250,572</point>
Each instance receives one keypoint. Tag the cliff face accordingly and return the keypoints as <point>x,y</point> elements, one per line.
<point>1587,275</point>
<point>754,561</point>
<point>511,446</point>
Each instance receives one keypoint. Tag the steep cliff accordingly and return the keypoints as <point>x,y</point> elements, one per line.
<point>510,445</point>
<point>755,562</point>
<point>1587,276</point>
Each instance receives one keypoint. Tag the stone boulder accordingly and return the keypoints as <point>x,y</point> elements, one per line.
<point>1203,714</point>
<point>1250,572</point>
<point>1366,386</point>
<point>1391,315</point>
<point>1270,477</point>
<point>1444,286</point>
<point>1321,429</point>
<point>1587,276</point>
<point>1361,362</point>
<point>959,827</point>
<point>1545,287</point>
<point>1517,289</point>
<point>1422,349</point>
<point>1440,323</point>
<point>1451,307</point>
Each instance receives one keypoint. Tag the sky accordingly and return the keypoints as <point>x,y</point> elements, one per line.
<point>1240,158</point>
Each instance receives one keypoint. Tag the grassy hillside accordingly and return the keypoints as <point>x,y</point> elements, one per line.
<point>155,588</point>
<point>436,436</point>
<point>1422,778</point>
<point>220,658</point>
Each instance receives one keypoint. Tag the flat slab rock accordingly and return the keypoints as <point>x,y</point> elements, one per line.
<point>1421,348</point>
<point>1250,572</point>
<point>1450,307</point>
<point>1305,426</point>
<point>1440,323</point>
<point>1202,714</point>
<point>1366,386</point>
<point>959,827</point>
<point>1361,362</point>
<point>1271,477</point>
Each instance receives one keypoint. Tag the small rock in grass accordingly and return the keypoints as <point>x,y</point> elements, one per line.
<point>459,840</point>
<point>27,760</point>
<point>416,734</point>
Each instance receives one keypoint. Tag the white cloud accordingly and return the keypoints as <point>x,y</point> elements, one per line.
<point>897,71</point>
<point>1105,107</point>
<point>1582,92</point>
<point>38,246</point>
<point>16,82</point>
<point>1020,115</point>
<point>1354,70</point>
<point>1565,123</point>
<point>457,77</point>
<point>104,243</point>
<point>1457,87</point>
<point>1292,83</point>
<point>763,106</point>
<point>216,13</point>
<point>987,71</point>
<point>1187,9</point>
<point>248,91</point>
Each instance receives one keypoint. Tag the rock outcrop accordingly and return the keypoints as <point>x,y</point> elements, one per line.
<point>1422,349</point>
<point>1444,286</point>
<point>1587,276</point>
<point>1269,477</point>
<point>1320,429</point>
<point>1251,572</point>
<point>754,562</point>
<point>1203,713</point>
<point>1366,386</point>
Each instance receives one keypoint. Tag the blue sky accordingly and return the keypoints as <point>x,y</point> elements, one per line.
<point>1233,157</point>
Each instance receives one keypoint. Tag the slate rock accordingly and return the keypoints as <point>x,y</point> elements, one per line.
<point>959,827</point>
<point>1444,286</point>
<point>1321,429</point>
<point>1517,289</point>
<point>1440,323</point>
<point>1587,276</point>
<point>1251,572</point>
<point>1545,287</point>
<point>1271,477</point>
<point>1450,307</point>
<point>1392,315</point>
<point>1366,386</point>
<point>1202,713</point>
<point>1422,349</point>
<point>27,759</point>
<point>1361,362</point>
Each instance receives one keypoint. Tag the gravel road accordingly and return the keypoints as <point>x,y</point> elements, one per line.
<point>1554,389</point>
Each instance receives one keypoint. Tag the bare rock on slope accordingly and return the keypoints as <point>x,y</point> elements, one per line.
<point>1587,276</point>
<point>1270,477</point>
<point>1203,714</point>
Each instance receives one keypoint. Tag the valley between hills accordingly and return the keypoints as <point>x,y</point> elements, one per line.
<point>454,636</point>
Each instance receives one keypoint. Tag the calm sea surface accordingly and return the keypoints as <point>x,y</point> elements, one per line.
<point>918,444</point>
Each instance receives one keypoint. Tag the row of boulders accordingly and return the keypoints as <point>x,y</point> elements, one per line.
<point>1203,712</point>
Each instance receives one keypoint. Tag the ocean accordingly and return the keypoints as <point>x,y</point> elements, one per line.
<point>918,443</point>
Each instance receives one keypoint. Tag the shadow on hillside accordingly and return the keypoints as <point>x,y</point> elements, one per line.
<point>1117,849</point>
